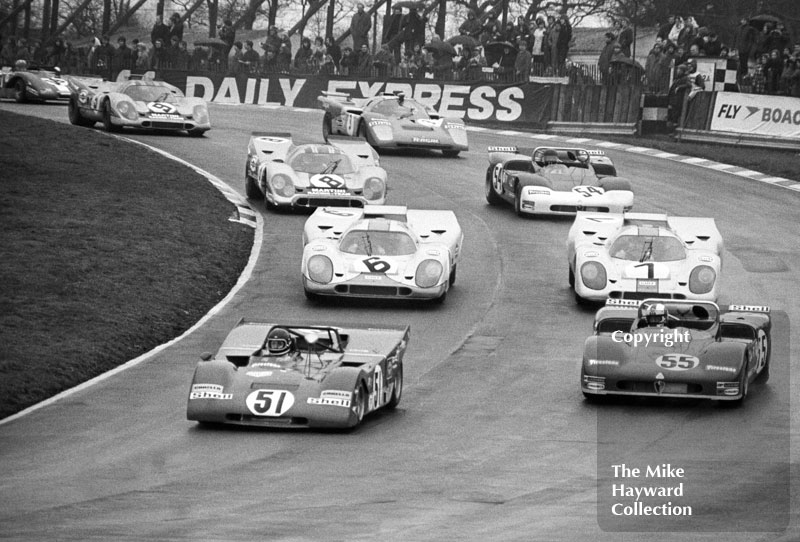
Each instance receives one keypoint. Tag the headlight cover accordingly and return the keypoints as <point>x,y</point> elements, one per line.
<point>200,114</point>
<point>702,279</point>
<point>428,273</point>
<point>593,275</point>
<point>374,188</point>
<point>282,185</point>
<point>320,269</point>
<point>127,110</point>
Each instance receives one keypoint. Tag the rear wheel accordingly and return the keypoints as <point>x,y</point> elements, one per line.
<point>327,123</point>
<point>196,133</point>
<point>20,89</point>
<point>763,376</point>
<point>250,188</point>
<point>397,392</point>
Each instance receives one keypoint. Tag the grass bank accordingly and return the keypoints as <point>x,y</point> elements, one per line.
<point>108,250</point>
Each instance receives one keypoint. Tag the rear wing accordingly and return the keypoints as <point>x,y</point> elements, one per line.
<point>270,145</point>
<point>127,75</point>
<point>357,149</point>
<point>337,103</point>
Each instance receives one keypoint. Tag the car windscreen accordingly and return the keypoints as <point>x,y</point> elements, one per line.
<point>377,243</point>
<point>150,93</point>
<point>409,109</point>
<point>315,163</point>
<point>647,248</point>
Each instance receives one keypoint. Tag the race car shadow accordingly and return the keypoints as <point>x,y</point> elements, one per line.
<point>367,303</point>
<point>416,153</point>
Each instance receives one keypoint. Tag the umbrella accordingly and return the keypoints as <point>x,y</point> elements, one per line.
<point>498,47</point>
<point>409,4</point>
<point>441,47</point>
<point>210,42</point>
<point>622,59</point>
<point>467,41</point>
<point>760,20</point>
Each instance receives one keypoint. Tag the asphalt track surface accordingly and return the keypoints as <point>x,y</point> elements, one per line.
<point>492,440</point>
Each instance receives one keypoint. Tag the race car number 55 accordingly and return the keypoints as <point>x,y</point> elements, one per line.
<point>269,402</point>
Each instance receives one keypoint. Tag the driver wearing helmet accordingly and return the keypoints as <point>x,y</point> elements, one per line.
<point>656,315</point>
<point>549,157</point>
<point>20,65</point>
<point>279,347</point>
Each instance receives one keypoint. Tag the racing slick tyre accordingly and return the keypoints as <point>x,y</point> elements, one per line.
<point>250,188</point>
<point>439,300</point>
<point>196,133</point>
<point>763,376</point>
<point>452,278</point>
<point>593,399</point>
<point>491,195</point>
<point>311,296</point>
<point>108,126</point>
<point>397,391</point>
<point>744,385</point>
<point>614,183</point>
<point>74,114</point>
<point>19,91</point>
<point>605,170</point>
<point>571,278</point>
<point>449,153</point>
<point>359,404</point>
<point>327,123</point>
<point>362,132</point>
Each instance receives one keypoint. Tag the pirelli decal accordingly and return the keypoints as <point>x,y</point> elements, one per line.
<point>748,308</point>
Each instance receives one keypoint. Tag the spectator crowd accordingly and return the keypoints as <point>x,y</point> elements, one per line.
<point>768,62</point>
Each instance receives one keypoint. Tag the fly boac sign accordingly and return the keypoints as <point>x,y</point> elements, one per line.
<point>777,116</point>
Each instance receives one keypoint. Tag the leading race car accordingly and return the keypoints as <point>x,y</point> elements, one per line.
<point>299,375</point>
<point>344,172</point>
<point>639,255</point>
<point>392,121</point>
<point>555,181</point>
<point>669,348</point>
<point>136,101</point>
<point>387,252</point>
<point>33,83</point>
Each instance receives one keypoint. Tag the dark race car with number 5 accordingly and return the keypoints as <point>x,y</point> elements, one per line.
<point>136,101</point>
<point>555,181</point>
<point>698,350</point>
<point>381,252</point>
<point>33,84</point>
<point>299,374</point>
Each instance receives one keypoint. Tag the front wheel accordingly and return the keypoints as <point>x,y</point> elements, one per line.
<point>571,278</point>
<point>362,132</point>
<point>327,126</point>
<point>452,278</point>
<point>359,404</point>
<point>518,202</point>
<point>451,153</point>
<point>108,126</point>
<point>196,133</point>
<point>74,114</point>
<point>250,188</point>
<point>491,194</point>
<point>20,89</point>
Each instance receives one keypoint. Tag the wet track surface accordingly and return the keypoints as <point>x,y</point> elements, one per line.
<point>492,440</point>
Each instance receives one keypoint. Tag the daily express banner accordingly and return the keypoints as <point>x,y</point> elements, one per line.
<point>528,103</point>
<point>777,116</point>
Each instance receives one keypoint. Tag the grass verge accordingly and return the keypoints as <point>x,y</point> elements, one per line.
<point>108,250</point>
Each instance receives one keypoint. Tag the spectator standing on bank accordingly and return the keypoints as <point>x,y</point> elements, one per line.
<point>553,36</point>
<point>360,26</point>
<point>773,69</point>
<point>625,39</point>
<point>349,62</point>
<point>176,27</point>
<point>491,29</point>
<point>759,75</point>
<point>183,60</point>
<point>284,57</point>
<point>675,31</point>
<point>744,42</point>
<point>235,57</point>
<point>160,31</point>
<point>122,56</point>
<point>303,58</point>
<point>57,54</point>
<point>158,56</point>
<point>227,33</point>
<point>537,51</point>
<point>564,39</point>
<point>522,65</point>
<point>269,62</point>
<point>413,29</point>
<point>319,51</point>
<point>663,30</point>
<point>273,40</point>
<point>142,57</point>
<point>393,32</point>
<point>384,61</point>
<point>712,45</point>
<point>134,52</point>
<point>604,60</point>
<point>249,57</point>
<point>652,68</point>
<point>334,50</point>
<point>364,60</point>
<point>471,27</point>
